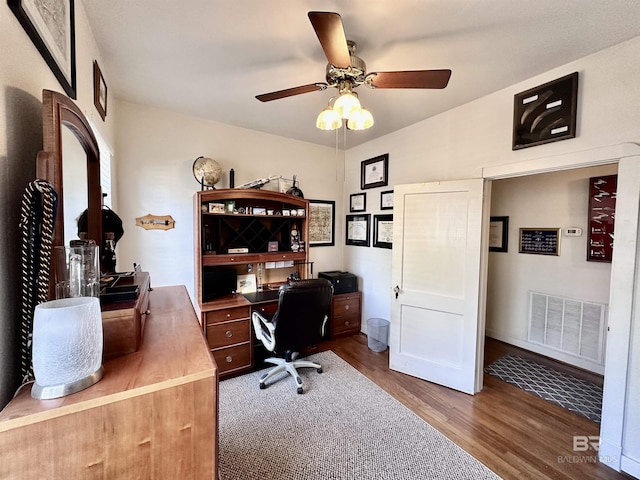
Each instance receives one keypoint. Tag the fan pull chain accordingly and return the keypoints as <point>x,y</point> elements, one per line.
<point>37,217</point>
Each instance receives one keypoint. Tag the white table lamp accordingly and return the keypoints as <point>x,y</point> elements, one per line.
<point>67,346</point>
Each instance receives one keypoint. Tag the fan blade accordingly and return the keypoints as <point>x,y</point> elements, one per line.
<point>328,27</point>
<point>290,92</point>
<point>410,79</point>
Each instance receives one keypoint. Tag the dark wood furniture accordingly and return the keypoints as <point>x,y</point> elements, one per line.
<point>261,222</point>
<point>153,414</point>
<point>123,322</point>
<point>345,314</point>
<point>59,113</point>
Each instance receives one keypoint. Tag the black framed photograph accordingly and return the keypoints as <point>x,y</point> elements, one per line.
<point>51,27</point>
<point>99,90</point>
<point>358,202</point>
<point>498,234</point>
<point>386,200</point>
<point>546,113</point>
<point>322,223</point>
<point>357,229</point>
<point>374,172</point>
<point>383,231</point>
<point>540,241</point>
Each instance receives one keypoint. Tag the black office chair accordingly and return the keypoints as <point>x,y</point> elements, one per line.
<point>303,311</point>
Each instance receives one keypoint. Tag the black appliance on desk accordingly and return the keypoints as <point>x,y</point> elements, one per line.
<point>343,282</point>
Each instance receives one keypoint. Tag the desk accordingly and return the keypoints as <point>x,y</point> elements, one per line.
<point>227,325</point>
<point>153,414</point>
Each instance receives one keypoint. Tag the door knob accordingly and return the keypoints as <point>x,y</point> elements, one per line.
<point>396,290</point>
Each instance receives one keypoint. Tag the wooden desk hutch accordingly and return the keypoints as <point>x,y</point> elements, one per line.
<point>250,230</point>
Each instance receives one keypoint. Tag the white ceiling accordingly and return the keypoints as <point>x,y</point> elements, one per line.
<point>210,58</point>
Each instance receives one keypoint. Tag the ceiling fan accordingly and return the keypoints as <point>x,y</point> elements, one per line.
<point>346,71</point>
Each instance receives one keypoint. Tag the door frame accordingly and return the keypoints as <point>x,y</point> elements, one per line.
<point>622,287</point>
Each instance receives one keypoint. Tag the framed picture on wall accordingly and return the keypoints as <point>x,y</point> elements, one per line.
<point>540,241</point>
<point>498,234</point>
<point>546,113</point>
<point>374,172</point>
<point>51,27</point>
<point>383,231</point>
<point>358,202</point>
<point>386,200</point>
<point>322,222</point>
<point>99,91</point>
<point>357,230</point>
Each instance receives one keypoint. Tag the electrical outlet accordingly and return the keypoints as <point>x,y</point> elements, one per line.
<point>573,232</point>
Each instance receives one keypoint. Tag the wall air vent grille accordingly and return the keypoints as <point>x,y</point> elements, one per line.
<point>571,326</point>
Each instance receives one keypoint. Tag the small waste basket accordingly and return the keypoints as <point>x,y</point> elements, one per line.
<point>378,334</point>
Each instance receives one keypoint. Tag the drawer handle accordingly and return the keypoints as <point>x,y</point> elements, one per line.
<point>346,307</point>
<point>229,333</point>
<point>346,323</point>
<point>147,312</point>
<point>229,358</point>
<point>228,315</point>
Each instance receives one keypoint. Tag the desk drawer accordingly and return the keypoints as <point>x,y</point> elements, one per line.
<point>232,358</point>
<point>345,324</point>
<point>217,316</point>
<point>345,305</point>
<point>228,333</point>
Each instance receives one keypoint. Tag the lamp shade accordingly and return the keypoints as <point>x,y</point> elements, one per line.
<point>328,119</point>
<point>345,104</point>
<point>360,120</point>
<point>67,346</point>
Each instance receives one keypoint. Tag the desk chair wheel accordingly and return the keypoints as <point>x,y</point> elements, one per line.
<point>262,386</point>
<point>300,390</point>
<point>319,370</point>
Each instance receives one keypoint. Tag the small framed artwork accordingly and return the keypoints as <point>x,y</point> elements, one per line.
<point>99,90</point>
<point>383,231</point>
<point>358,230</point>
<point>498,234</point>
<point>374,172</point>
<point>546,113</point>
<point>386,200</point>
<point>322,223</point>
<point>51,27</point>
<point>357,202</point>
<point>540,241</point>
<point>272,246</point>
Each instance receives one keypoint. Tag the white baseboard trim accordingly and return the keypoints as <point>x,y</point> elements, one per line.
<point>630,467</point>
<point>610,454</point>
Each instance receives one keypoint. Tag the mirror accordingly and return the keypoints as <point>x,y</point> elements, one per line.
<point>67,133</point>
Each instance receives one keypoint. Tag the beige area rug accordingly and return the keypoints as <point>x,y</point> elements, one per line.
<point>343,427</point>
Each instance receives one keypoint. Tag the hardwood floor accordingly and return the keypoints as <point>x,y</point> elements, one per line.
<point>514,433</point>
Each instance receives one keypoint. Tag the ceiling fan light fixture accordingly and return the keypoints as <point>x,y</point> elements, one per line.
<point>360,120</point>
<point>346,103</point>
<point>328,119</point>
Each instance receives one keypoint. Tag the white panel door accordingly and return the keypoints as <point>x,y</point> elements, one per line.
<point>438,275</point>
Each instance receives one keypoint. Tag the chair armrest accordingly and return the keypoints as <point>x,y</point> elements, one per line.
<point>260,323</point>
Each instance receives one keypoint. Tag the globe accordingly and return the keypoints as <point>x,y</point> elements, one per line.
<point>207,171</point>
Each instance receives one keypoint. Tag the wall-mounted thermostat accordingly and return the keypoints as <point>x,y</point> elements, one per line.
<point>573,232</point>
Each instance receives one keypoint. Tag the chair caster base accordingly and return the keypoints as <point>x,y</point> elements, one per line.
<point>319,370</point>
<point>262,386</point>
<point>300,390</point>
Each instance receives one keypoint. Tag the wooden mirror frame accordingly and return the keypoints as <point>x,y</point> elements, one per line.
<point>59,111</point>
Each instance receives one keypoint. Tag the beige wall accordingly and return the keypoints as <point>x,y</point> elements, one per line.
<point>155,153</point>
<point>459,143</point>
<point>550,200</point>
<point>23,76</point>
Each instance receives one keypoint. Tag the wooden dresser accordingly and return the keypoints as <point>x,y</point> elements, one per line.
<point>153,414</point>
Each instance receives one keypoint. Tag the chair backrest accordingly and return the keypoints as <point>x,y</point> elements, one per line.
<point>303,307</point>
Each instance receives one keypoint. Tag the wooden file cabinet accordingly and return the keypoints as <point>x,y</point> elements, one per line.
<point>228,332</point>
<point>345,314</point>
